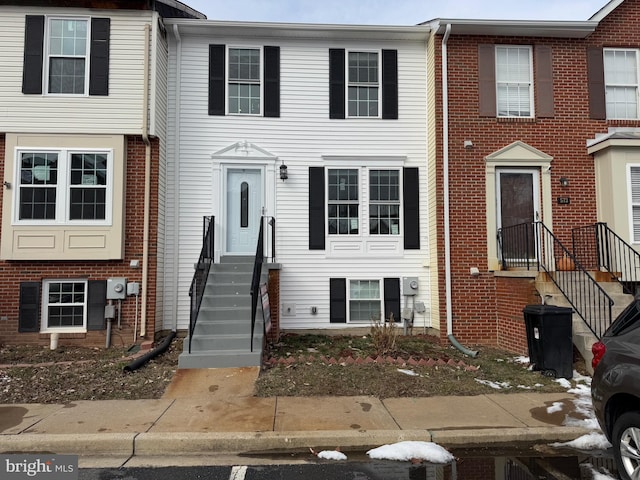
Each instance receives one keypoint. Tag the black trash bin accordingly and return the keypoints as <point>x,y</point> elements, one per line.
<point>550,340</point>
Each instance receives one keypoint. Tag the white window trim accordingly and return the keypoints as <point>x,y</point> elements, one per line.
<point>87,56</point>
<point>348,84</point>
<point>531,82</point>
<point>637,85</point>
<point>226,79</point>
<point>632,238</point>
<point>364,202</point>
<point>44,324</point>
<point>62,195</point>
<point>381,299</point>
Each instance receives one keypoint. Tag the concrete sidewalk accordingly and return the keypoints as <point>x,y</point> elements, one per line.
<point>212,411</point>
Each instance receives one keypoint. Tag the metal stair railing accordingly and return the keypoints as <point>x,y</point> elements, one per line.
<point>533,245</point>
<point>257,268</point>
<point>600,248</point>
<point>201,274</point>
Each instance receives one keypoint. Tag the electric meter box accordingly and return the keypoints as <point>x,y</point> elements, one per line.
<point>116,288</point>
<point>409,286</point>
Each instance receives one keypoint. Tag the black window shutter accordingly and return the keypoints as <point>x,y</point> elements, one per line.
<point>271,81</point>
<point>99,61</point>
<point>411,209</point>
<point>392,298</point>
<point>595,79</point>
<point>29,316</point>
<point>487,80</point>
<point>33,54</point>
<point>390,84</point>
<point>316,208</point>
<point>336,83</point>
<point>97,298</point>
<point>337,300</point>
<point>216,79</point>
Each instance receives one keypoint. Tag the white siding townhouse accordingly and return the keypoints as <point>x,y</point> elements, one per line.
<point>322,129</point>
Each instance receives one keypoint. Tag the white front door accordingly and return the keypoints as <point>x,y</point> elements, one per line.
<point>244,209</point>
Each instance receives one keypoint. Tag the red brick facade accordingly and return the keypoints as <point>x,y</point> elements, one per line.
<point>486,309</point>
<point>12,273</point>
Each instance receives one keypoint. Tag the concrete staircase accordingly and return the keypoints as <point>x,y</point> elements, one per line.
<point>222,337</point>
<point>583,338</point>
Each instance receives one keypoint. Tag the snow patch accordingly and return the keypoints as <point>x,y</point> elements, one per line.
<point>411,450</point>
<point>495,385</point>
<point>331,455</point>
<point>590,441</point>
<point>556,407</point>
<point>522,360</point>
<point>408,372</point>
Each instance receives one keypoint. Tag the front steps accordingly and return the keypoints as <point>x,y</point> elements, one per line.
<point>583,337</point>
<point>222,337</point>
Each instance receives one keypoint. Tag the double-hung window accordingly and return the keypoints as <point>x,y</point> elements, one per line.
<point>245,81</point>
<point>67,56</point>
<point>634,199</point>
<point>363,84</point>
<point>384,202</point>
<point>514,81</point>
<point>346,200</point>
<point>64,186</point>
<point>621,83</point>
<point>64,305</point>
<point>365,300</point>
<point>343,202</point>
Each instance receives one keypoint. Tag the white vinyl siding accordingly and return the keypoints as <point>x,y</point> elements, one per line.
<point>118,112</point>
<point>634,184</point>
<point>301,137</point>
<point>621,83</point>
<point>514,81</point>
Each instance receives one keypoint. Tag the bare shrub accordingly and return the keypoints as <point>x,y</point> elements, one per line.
<point>383,335</point>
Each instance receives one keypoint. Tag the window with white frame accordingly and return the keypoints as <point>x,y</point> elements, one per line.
<point>384,202</point>
<point>347,197</point>
<point>634,196</point>
<point>64,305</point>
<point>343,203</point>
<point>363,84</point>
<point>621,82</point>
<point>62,186</point>
<point>514,84</point>
<point>245,81</point>
<point>365,300</point>
<point>67,55</point>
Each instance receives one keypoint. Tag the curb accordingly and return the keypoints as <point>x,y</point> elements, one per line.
<point>195,444</point>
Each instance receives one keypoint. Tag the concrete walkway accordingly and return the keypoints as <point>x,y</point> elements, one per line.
<point>212,411</point>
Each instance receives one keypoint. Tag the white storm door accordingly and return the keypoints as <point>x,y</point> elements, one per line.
<point>244,209</point>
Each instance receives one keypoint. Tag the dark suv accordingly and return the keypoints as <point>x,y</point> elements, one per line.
<point>615,388</point>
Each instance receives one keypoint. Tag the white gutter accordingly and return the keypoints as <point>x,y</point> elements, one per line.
<point>147,184</point>
<point>445,173</point>
<point>176,175</point>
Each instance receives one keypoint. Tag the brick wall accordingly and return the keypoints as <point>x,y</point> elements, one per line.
<point>476,319</point>
<point>14,272</point>
<point>513,295</point>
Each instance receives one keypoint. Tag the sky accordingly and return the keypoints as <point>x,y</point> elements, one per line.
<point>392,12</point>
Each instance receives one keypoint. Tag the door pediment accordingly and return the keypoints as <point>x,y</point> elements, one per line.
<point>244,150</point>
<point>519,152</point>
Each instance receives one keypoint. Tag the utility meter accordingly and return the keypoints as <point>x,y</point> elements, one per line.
<point>409,285</point>
<point>116,288</point>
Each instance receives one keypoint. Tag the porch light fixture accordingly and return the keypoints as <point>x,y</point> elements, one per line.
<point>564,181</point>
<point>283,172</point>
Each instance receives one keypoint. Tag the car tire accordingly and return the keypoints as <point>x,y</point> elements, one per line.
<point>626,445</point>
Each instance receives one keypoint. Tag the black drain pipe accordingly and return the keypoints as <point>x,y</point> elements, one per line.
<point>140,361</point>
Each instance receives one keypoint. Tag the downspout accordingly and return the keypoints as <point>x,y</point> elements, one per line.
<point>176,174</point>
<point>147,184</point>
<point>447,228</point>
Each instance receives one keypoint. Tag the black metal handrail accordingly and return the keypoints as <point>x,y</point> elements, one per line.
<point>202,268</point>
<point>600,248</point>
<point>533,245</point>
<point>255,279</point>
